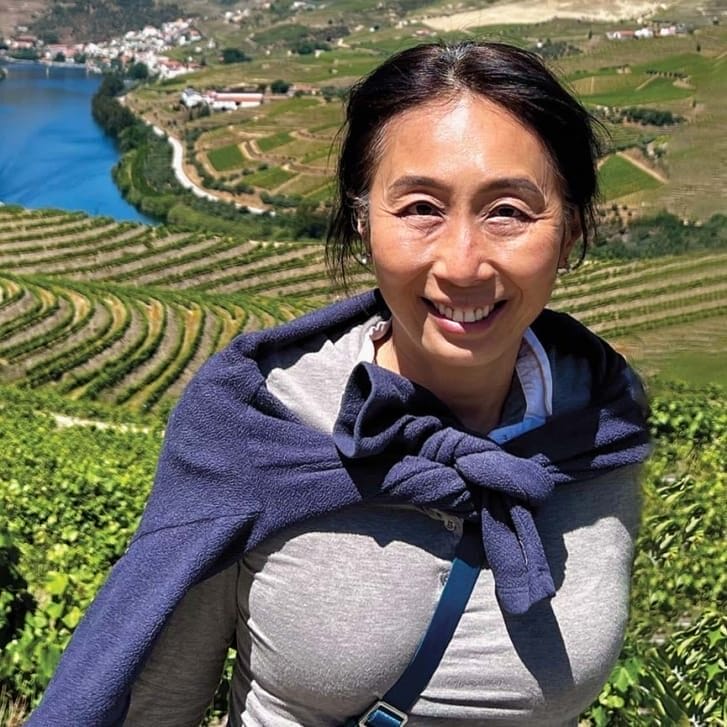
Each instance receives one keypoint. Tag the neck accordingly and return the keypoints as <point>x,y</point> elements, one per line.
<point>474,395</point>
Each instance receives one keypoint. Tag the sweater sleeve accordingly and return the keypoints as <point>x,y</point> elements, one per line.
<point>182,673</point>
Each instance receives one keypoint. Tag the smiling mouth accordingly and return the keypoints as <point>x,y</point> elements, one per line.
<point>464,315</point>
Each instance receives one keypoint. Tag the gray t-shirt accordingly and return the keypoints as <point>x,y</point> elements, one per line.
<point>326,615</point>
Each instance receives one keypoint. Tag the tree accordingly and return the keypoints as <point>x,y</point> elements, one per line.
<point>106,109</point>
<point>59,57</point>
<point>234,55</point>
<point>139,71</point>
<point>279,86</point>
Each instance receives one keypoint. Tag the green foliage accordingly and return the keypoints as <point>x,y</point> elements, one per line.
<point>286,34</point>
<point>24,54</point>
<point>234,55</point>
<point>106,18</point>
<point>279,86</point>
<point>270,178</point>
<point>49,36</point>
<point>296,37</point>
<point>664,234</point>
<point>15,601</point>
<point>641,115</point>
<point>71,497</point>
<point>107,110</point>
<point>139,71</point>
<point>673,663</point>
<point>552,50</point>
<point>618,177</point>
<point>226,157</point>
<point>268,143</point>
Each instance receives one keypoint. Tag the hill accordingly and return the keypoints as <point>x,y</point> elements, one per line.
<point>659,100</point>
<point>79,21</point>
<point>124,313</point>
<point>102,324</point>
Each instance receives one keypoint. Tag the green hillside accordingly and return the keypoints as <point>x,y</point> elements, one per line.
<point>102,323</point>
<point>660,100</point>
<point>124,313</point>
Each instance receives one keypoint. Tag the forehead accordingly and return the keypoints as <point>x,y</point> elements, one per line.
<point>465,133</point>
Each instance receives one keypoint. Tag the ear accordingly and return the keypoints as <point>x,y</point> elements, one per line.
<point>363,229</point>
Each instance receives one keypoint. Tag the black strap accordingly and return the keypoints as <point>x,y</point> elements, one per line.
<point>392,709</point>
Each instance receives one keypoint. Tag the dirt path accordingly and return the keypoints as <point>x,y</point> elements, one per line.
<point>643,167</point>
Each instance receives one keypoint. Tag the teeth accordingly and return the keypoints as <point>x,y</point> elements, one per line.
<point>462,315</point>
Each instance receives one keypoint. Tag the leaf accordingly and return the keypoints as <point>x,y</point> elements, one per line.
<point>56,584</point>
<point>72,618</point>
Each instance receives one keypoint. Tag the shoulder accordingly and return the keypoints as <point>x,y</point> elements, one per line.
<point>582,362</point>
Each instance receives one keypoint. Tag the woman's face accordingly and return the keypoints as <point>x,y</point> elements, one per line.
<point>466,228</point>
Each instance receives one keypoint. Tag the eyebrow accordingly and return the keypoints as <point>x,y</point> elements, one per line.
<point>410,181</point>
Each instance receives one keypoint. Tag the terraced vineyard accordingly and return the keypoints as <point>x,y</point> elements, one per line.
<point>125,314</point>
<point>280,152</point>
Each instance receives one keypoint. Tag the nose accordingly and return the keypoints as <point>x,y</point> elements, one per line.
<point>462,256</point>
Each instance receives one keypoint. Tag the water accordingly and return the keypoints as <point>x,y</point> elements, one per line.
<point>52,152</point>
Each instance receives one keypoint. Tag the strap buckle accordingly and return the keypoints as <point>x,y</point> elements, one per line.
<point>392,716</point>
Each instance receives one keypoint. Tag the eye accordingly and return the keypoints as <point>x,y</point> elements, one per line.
<point>421,209</point>
<point>509,211</point>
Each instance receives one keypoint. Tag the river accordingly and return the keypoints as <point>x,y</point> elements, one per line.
<point>52,152</point>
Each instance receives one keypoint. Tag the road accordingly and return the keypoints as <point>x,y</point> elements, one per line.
<point>181,175</point>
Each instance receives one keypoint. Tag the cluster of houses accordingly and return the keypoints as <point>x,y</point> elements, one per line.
<point>143,46</point>
<point>241,98</point>
<point>221,100</point>
<point>661,31</point>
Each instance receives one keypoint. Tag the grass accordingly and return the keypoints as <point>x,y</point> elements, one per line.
<point>698,369</point>
<point>320,152</point>
<point>642,90</point>
<point>619,177</point>
<point>226,157</point>
<point>598,84</point>
<point>322,194</point>
<point>622,136</point>
<point>306,150</point>
<point>269,178</point>
<point>271,142</point>
<point>294,105</point>
<point>693,352</point>
<point>305,184</point>
<point>693,64</point>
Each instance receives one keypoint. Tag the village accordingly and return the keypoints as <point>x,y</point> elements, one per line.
<point>147,46</point>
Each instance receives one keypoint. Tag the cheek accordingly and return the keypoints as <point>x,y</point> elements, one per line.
<point>394,253</point>
<point>534,266</point>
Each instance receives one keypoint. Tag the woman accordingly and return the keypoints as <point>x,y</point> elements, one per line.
<point>317,479</point>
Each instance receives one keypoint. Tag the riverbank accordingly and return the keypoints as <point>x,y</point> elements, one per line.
<point>53,154</point>
<point>151,175</point>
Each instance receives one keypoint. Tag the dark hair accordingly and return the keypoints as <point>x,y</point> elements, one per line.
<point>514,78</point>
